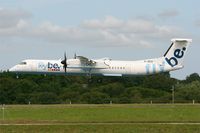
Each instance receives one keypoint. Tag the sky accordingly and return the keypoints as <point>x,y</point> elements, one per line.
<point>118,29</point>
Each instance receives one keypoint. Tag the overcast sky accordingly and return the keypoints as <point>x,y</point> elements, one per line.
<point>119,29</point>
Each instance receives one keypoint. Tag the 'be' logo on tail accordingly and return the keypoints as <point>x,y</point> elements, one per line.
<point>178,53</point>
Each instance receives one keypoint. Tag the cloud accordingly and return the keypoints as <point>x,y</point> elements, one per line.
<point>107,32</point>
<point>11,18</point>
<point>132,31</point>
<point>168,13</point>
<point>107,22</point>
<point>13,22</point>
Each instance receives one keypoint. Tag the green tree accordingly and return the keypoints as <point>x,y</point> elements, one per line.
<point>192,77</point>
<point>95,97</point>
<point>188,92</point>
<point>159,81</point>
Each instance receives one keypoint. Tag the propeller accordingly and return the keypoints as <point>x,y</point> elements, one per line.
<point>64,62</point>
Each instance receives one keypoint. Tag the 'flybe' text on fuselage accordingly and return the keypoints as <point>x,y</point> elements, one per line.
<point>49,66</point>
<point>53,67</point>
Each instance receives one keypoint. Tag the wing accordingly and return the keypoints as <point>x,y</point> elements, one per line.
<point>85,63</point>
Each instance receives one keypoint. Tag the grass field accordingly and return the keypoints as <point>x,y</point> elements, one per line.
<point>155,118</point>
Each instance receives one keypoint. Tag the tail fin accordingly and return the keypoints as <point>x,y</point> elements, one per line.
<point>176,52</point>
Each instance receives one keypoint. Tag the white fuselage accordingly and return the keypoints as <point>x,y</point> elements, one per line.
<point>172,60</point>
<point>105,67</point>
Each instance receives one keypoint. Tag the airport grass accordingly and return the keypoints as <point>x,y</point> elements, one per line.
<point>136,128</point>
<point>101,113</point>
<point>101,118</point>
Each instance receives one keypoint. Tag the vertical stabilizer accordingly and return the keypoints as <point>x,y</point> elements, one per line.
<point>175,54</point>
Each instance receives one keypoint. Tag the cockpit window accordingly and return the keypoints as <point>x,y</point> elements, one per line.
<point>22,63</point>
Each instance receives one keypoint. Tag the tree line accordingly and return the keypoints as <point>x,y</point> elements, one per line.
<point>52,89</point>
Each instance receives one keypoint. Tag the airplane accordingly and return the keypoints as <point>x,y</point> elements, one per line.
<point>80,65</point>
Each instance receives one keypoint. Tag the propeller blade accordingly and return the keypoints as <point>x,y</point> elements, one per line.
<point>65,68</point>
<point>64,62</point>
<point>65,56</point>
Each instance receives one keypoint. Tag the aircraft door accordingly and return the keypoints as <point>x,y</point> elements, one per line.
<point>128,68</point>
<point>33,67</point>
